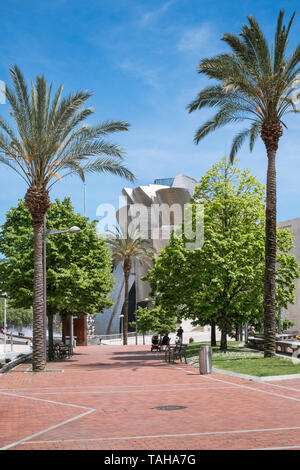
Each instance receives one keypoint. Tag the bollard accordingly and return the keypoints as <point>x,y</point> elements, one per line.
<point>205,360</point>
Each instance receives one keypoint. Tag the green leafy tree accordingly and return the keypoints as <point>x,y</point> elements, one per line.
<point>46,143</point>
<point>16,317</point>
<point>79,278</point>
<point>155,320</point>
<point>163,322</point>
<point>258,83</point>
<point>222,283</point>
<point>126,247</point>
<point>145,321</point>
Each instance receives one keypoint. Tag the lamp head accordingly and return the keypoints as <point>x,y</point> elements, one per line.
<point>74,229</point>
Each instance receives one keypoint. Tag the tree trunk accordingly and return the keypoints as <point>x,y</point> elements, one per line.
<point>223,345</point>
<point>237,333</point>
<point>270,135</point>
<point>37,202</point>
<point>63,329</point>
<point>270,260</point>
<point>38,353</point>
<point>213,340</point>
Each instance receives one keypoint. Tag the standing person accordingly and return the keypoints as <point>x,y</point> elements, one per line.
<point>179,334</point>
<point>166,340</point>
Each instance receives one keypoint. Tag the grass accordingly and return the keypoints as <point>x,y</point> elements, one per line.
<point>245,361</point>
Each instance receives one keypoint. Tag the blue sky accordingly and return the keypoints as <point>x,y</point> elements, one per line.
<point>140,60</point>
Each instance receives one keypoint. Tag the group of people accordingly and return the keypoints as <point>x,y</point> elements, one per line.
<point>166,340</point>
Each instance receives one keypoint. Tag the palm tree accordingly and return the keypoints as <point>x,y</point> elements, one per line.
<point>50,143</point>
<point>126,247</point>
<point>258,83</point>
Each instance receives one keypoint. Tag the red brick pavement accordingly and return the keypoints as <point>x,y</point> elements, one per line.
<point>105,397</point>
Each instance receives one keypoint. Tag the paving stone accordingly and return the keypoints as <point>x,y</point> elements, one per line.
<point>106,397</point>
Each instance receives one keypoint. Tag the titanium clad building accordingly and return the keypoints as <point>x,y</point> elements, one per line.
<point>168,196</point>
<point>166,193</point>
<point>293,311</point>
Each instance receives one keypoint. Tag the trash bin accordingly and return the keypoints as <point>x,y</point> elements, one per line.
<point>205,359</point>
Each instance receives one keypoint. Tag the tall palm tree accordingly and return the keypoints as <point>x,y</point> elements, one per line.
<point>258,83</point>
<point>50,143</point>
<point>126,247</point>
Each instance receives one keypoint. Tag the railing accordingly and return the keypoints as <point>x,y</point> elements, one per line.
<point>131,338</point>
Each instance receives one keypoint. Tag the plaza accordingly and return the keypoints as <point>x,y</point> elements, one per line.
<point>126,398</point>
<point>152,302</point>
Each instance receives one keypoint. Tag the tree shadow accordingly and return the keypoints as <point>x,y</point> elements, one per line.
<point>133,365</point>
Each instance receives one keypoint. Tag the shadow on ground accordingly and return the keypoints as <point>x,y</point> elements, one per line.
<point>126,359</point>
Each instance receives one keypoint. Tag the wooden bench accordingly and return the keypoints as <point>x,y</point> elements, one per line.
<point>177,351</point>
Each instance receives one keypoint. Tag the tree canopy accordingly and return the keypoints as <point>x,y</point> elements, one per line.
<point>17,317</point>
<point>79,278</point>
<point>155,320</point>
<point>257,82</point>
<point>223,282</point>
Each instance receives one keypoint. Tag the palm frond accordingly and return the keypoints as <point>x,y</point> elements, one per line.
<point>254,82</point>
<point>126,246</point>
<point>106,165</point>
<point>237,143</point>
<point>50,137</point>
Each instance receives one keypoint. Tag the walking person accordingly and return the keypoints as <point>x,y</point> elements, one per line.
<point>165,341</point>
<point>179,334</point>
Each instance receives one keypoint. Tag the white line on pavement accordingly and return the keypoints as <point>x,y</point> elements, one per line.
<point>156,436</point>
<point>25,439</point>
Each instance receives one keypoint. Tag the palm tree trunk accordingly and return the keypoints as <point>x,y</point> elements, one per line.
<point>270,259</point>
<point>270,135</point>
<point>38,202</point>
<point>38,354</point>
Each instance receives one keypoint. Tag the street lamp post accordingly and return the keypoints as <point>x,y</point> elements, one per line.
<point>84,199</point>
<point>136,325</point>
<point>122,320</point>
<point>143,304</point>
<point>4,321</point>
<point>279,319</point>
<point>48,232</point>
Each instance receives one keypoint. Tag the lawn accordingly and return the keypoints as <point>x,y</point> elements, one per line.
<point>245,360</point>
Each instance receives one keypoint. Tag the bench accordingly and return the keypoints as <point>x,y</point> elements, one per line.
<point>281,345</point>
<point>60,351</point>
<point>292,335</point>
<point>256,342</point>
<point>284,345</point>
<point>177,351</point>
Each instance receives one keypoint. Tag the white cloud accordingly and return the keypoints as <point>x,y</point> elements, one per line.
<point>149,76</point>
<point>152,16</point>
<point>195,39</point>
